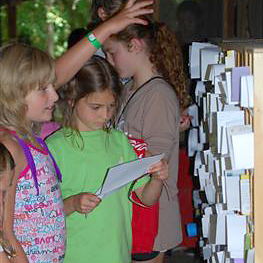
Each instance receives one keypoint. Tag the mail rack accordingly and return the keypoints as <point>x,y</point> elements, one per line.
<point>247,54</point>
<point>250,53</point>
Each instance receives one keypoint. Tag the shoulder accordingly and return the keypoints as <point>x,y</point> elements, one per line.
<point>55,137</point>
<point>119,135</point>
<point>15,149</point>
<point>11,144</point>
<point>160,87</point>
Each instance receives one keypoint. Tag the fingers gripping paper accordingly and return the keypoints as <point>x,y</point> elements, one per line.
<point>122,174</point>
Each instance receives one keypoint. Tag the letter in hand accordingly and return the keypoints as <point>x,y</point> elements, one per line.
<point>159,170</point>
<point>85,202</point>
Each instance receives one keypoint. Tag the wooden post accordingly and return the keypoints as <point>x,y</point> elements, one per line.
<point>156,14</point>
<point>258,144</point>
<point>11,9</point>
<point>229,18</point>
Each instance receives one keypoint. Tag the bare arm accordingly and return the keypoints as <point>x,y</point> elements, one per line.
<point>8,224</point>
<point>150,193</point>
<point>4,258</point>
<point>72,60</point>
<point>82,203</point>
<point>9,206</point>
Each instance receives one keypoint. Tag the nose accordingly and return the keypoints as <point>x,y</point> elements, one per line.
<point>106,113</point>
<point>53,94</point>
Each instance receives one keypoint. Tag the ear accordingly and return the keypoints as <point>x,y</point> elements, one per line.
<point>136,45</point>
<point>102,14</point>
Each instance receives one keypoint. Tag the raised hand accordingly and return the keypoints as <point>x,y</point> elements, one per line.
<point>130,15</point>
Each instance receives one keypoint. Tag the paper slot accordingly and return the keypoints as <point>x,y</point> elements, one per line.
<point>247,91</point>
<point>237,73</point>
<point>194,54</point>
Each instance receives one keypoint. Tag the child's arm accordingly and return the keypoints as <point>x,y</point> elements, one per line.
<point>150,192</point>
<point>20,161</point>
<point>83,203</point>
<point>70,63</point>
<point>4,258</point>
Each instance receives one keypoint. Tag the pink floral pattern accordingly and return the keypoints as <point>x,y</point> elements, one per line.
<point>39,222</point>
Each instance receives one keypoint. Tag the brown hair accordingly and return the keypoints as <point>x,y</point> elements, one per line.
<point>23,69</point>
<point>109,6</point>
<point>97,75</point>
<point>164,53</point>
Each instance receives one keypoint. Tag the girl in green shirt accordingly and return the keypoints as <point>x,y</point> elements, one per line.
<point>98,230</point>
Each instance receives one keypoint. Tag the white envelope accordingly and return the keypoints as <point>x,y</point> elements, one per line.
<point>247,91</point>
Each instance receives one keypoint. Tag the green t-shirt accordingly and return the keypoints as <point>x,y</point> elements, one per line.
<point>105,234</point>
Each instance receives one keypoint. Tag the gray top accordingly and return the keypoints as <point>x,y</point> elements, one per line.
<point>153,114</point>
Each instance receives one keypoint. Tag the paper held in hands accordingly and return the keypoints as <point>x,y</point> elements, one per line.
<point>122,174</point>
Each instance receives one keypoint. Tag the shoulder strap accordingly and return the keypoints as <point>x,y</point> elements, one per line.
<point>134,93</point>
<point>44,145</point>
<point>30,160</point>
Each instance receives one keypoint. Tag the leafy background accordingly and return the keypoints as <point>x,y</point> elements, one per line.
<point>46,24</point>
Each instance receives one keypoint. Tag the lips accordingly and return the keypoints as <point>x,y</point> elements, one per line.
<point>51,108</point>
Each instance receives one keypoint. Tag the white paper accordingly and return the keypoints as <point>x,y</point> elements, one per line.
<point>208,56</point>
<point>199,90</point>
<point>195,58</point>
<point>230,59</point>
<point>250,256</point>
<point>193,111</point>
<point>215,70</point>
<point>224,117</point>
<point>122,174</point>
<point>221,229</point>
<point>232,193</point>
<point>241,146</point>
<point>236,231</point>
<point>247,91</point>
<point>207,252</point>
<point>245,196</point>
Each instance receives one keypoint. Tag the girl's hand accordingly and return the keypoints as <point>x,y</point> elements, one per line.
<point>160,170</point>
<point>185,121</point>
<point>85,202</point>
<point>129,15</point>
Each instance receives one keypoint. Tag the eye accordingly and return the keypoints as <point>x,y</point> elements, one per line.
<point>94,107</point>
<point>43,88</point>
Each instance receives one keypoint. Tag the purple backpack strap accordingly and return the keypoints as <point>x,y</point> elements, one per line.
<point>30,161</point>
<point>44,145</point>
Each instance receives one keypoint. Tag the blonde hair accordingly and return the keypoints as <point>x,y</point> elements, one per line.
<point>23,69</point>
<point>6,164</point>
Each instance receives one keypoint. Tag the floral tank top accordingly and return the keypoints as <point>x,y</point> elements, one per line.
<point>39,222</point>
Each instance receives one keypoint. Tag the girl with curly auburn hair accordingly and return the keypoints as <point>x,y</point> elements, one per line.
<point>151,106</point>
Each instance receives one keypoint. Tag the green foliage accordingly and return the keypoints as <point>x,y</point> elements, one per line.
<point>34,16</point>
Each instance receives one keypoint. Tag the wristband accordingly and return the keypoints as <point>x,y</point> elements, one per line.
<point>93,40</point>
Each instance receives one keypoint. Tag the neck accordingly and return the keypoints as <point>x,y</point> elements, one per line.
<point>140,78</point>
